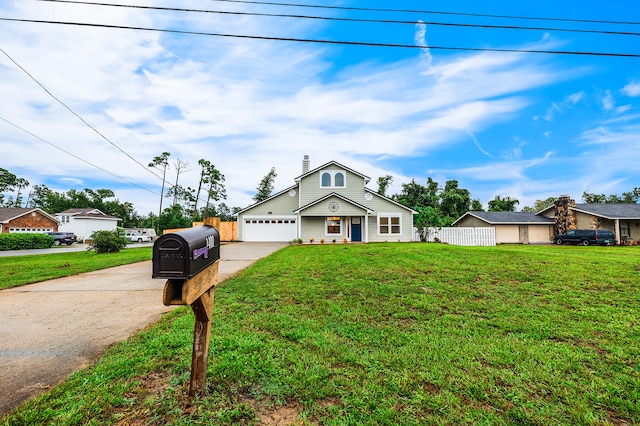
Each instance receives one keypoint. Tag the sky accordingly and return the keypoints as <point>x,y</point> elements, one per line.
<point>89,106</point>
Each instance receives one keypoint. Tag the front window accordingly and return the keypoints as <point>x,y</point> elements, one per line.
<point>389,225</point>
<point>339,179</point>
<point>334,225</point>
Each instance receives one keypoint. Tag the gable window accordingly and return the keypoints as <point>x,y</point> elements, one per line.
<point>326,180</point>
<point>334,225</point>
<point>333,179</point>
<point>389,224</point>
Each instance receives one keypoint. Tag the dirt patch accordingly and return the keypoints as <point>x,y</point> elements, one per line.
<point>286,415</point>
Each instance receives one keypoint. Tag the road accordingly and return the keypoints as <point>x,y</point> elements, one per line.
<point>53,328</point>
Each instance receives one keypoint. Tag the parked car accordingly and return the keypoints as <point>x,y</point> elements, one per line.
<point>587,237</point>
<point>60,238</point>
<point>137,237</point>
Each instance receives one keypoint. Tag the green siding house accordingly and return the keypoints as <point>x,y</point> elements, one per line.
<point>328,203</point>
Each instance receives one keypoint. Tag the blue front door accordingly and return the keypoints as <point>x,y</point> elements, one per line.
<point>356,229</point>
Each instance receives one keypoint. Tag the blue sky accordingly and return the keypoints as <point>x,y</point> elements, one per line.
<point>524,125</point>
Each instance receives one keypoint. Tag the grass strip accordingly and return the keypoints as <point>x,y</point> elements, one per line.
<point>20,270</point>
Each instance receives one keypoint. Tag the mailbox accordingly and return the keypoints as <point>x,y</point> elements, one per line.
<point>183,254</point>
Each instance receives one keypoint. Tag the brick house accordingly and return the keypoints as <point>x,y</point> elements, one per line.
<point>33,220</point>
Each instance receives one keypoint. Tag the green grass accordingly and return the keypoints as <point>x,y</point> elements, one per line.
<point>387,334</point>
<point>20,270</point>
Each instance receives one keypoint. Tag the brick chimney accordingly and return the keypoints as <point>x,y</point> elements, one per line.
<point>305,164</point>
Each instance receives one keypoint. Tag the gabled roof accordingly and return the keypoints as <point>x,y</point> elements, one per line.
<point>607,211</point>
<point>330,195</point>
<point>88,213</point>
<point>9,214</point>
<point>268,199</point>
<point>508,218</point>
<point>336,164</point>
<point>374,193</point>
<point>610,211</point>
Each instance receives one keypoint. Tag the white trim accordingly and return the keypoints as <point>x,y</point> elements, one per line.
<point>389,215</point>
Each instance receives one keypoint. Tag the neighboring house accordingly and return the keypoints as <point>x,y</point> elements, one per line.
<point>34,220</point>
<point>84,222</point>
<point>330,202</point>
<point>511,227</point>
<point>622,219</point>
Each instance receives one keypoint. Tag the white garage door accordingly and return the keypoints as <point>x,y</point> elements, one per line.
<point>271,229</point>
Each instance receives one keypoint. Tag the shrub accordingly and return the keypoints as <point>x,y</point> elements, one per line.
<point>25,241</point>
<point>107,242</point>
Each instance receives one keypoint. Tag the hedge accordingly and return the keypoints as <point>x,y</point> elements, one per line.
<point>25,241</point>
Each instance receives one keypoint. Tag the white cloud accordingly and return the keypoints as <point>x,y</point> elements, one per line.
<point>632,89</point>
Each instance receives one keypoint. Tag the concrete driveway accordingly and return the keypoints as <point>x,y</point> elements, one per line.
<point>53,328</point>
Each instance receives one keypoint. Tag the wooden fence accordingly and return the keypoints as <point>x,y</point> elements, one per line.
<point>228,230</point>
<point>460,236</point>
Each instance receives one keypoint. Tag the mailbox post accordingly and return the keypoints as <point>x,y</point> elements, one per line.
<point>189,260</point>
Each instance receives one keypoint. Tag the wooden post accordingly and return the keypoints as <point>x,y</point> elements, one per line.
<point>202,308</point>
<point>197,292</point>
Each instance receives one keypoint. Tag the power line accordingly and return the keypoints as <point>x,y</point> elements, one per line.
<point>76,114</point>
<point>336,42</point>
<point>480,15</point>
<point>360,20</point>
<point>74,156</point>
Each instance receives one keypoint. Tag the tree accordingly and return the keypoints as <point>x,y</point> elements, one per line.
<point>161,162</point>
<point>506,204</point>
<point>539,205</point>
<point>7,183</point>
<point>20,184</point>
<point>266,187</point>
<point>454,202</point>
<point>206,171</point>
<point>383,184</point>
<point>226,214</point>
<point>180,166</point>
<point>216,190</point>
<point>476,205</point>
<point>415,196</point>
<point>630,197</point>
<point>173,217</point>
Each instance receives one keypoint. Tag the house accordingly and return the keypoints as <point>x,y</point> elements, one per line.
<point>34,220</point>
<point>512,227</point>
<point>622,219</point>
<point>328,203</point>
<point>84,222</point>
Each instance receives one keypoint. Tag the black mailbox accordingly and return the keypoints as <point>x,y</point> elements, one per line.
<point>183,254</point>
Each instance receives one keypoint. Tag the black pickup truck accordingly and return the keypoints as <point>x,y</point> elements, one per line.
<point>60,238</point>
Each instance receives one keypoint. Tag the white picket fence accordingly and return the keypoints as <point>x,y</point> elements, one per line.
<point>460,236</point>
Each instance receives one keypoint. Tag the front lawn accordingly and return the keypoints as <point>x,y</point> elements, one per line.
<point>387,334</point>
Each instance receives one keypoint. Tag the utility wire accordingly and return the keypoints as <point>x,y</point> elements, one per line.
<point>481,15</point>
<point>328,18</point>
<point>336,42</point>
<point>75,156</point>
<point>76,114</point>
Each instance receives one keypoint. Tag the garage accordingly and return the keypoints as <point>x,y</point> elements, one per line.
<point>281,228</point>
